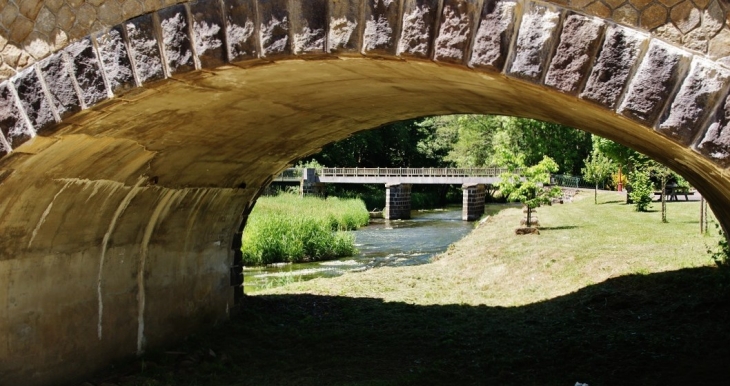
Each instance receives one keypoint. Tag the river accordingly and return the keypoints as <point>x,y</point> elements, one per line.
<point>382,243</point>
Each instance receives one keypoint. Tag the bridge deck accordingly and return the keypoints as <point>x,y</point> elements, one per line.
<point>398,175</point>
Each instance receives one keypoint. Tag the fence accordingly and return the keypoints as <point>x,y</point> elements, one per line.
<point>410,172</point>
<point>570,181</point>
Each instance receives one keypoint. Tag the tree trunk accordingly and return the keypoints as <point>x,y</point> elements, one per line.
<point>529,217</point>
<point>664,199</point>
<point>702,215</point>
<point>595,194</point>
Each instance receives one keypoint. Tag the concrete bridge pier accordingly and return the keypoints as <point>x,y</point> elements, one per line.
<point>309,185</point>
<point>397,201</point>
<point>472,201</point>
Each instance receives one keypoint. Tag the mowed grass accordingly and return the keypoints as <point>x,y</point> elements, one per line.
<point>580,244</point>
<point>290,228</point>
<point>604,295</point>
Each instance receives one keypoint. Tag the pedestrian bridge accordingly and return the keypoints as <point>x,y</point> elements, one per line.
<point>451,176</point>
<point>398,183</point>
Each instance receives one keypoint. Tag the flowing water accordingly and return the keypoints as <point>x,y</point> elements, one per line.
<point>382,243</point>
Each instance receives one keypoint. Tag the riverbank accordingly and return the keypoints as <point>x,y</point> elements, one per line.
<point>290,228</point>
<point>604,295</point>
<point>580,244</point>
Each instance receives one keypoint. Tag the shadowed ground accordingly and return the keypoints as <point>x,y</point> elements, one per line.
<point>604,295</point>
<point>625,331</point>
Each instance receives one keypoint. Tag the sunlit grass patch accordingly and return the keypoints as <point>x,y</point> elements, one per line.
<point>289,228</point>
<point>580,244</point>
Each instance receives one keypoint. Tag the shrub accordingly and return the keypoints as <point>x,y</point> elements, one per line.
<point>641,190</point>
<point>289,228</point>
<point>721,255</point>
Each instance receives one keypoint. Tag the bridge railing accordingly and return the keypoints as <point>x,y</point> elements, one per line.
<point>411,172</point>
<point>289,175</point>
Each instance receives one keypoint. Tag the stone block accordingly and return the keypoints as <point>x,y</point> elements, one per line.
<point>55,72</point>
<point>579,42</point>
<point>242,42</point>
<point>65,17</point>
<point>34,99</point>
<point>715,143</point>
<point>110,13</point>
<point>15,129</point>
<point>685,16</point>
<point>662,68</point>
<point>309,26</point>
<point>536,38</point>
<point>46,21</point>
<point>144,48</point>
<point>493,38</point>
<point>417,28</point>
<point>344,23</point>
<point>115,60</point>
<point>176,40</point>
<point>85,67</point>
<point>381,27</point>
<point>458,20</point>
<point>599,9</point>
<point>208,33</point>
<point>626,14</point>
<point>274,28</point>
<point>719,46</point>
<point>701,89</point>
<point>640,4</point>
<point>653,16</point>
<point>610,73</point>
<point>8,14</point>
<point>131,8</point>
<point>20,29</point>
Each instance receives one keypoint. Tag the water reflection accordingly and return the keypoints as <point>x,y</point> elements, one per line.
<point>382,243</point>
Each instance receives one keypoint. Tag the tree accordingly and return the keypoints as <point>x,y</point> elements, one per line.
<point>641,189</point>
<point>527,184</point>
<point>598,168</point>
<point>567,146</point>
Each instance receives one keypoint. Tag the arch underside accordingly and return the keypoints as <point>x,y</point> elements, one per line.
<point>126,180</point>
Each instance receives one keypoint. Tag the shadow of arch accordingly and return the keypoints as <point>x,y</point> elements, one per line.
<point>624,331</point>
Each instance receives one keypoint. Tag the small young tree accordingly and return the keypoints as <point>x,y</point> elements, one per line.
<point>526,184</point>
<point>641,190</point>
<point>598,168</point>
<point>663,173</point>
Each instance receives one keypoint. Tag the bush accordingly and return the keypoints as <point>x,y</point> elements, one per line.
<point>641,190</point>
<point>721,255</point>
<point>289,228</point>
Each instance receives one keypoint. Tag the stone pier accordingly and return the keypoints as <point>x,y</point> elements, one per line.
<point>309,186</point>
<point>397,201</point>
<point>473,201</point>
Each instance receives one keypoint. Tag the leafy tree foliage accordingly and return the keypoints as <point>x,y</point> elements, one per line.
<point>568,147</point>
<point>399,144</point>
<point>597,168</point>
<point>527,184</point>
<point>641,191</point>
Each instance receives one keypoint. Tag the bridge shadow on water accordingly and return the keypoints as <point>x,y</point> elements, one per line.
<point>669,328</point>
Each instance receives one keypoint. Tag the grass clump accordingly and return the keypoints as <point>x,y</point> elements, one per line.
<point>289,228</point>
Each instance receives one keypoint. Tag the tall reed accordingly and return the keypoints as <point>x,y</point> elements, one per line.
<point>289,228</point>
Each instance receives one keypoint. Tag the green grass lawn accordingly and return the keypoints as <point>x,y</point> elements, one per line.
<point>580,244</point>
<point>604,295</point>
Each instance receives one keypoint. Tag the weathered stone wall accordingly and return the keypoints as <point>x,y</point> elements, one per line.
<point>397,202</point>
<point>619,68</point>
<point>472,206</point>
<point>31,30</point>
<point>131,155</point>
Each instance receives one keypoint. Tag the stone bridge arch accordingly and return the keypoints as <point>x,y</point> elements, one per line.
<point>136,133</point>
